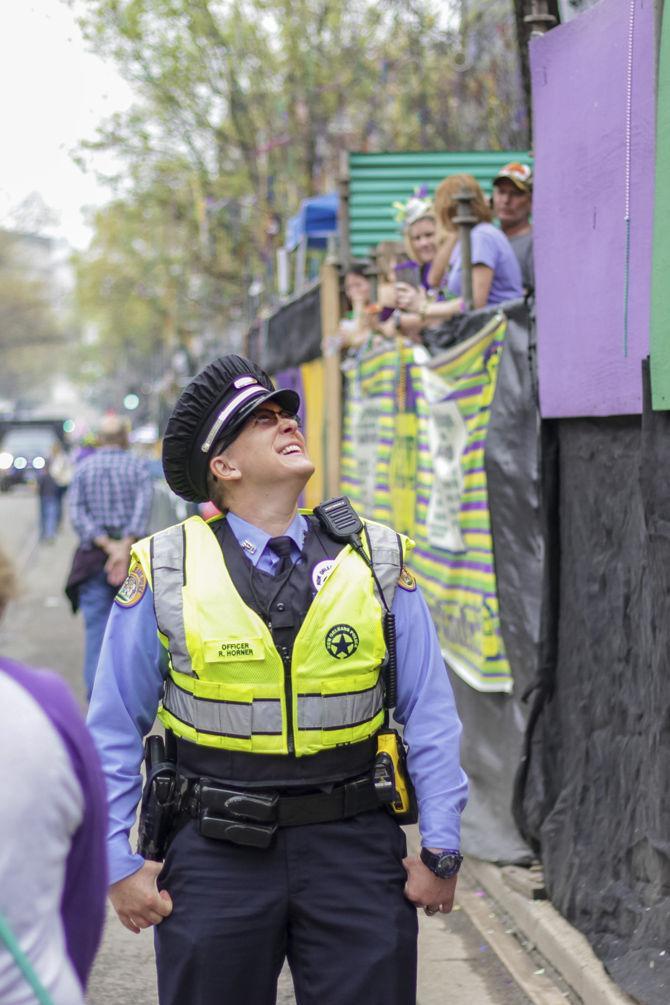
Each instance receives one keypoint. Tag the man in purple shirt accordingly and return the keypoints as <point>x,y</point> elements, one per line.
<point>281,847</point>
<point>109,504</point>
<point>53,870</point>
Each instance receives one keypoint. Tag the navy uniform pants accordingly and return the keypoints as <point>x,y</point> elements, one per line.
<point>326,897</point>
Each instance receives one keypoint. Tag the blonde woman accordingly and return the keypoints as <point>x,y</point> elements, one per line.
<point>419,303</point>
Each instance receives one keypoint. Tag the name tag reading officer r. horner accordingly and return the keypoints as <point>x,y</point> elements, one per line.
<point>232,650</point>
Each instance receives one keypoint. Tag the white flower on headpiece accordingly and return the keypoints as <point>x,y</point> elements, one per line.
<point>417,206</point>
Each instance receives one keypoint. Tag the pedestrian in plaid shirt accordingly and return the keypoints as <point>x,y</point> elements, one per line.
<point>109,505</point>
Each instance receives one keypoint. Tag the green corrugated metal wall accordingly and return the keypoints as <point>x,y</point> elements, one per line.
<point>376,181</point>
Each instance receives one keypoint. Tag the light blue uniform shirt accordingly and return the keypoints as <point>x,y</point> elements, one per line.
<point>129,686</point>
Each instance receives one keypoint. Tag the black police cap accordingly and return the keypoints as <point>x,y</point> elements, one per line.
<point>209,414</point>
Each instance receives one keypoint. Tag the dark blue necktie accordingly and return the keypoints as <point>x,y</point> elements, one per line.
<point>282,547</point>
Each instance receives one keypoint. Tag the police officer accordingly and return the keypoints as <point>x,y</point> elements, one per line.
<point>259,637</point>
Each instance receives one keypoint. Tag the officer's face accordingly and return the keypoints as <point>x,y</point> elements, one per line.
<point>270,448</point>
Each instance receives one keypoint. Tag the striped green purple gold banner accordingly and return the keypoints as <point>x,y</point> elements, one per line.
<point>412,417</point>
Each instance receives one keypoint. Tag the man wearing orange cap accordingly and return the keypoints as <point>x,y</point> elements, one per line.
<point>513,205</point>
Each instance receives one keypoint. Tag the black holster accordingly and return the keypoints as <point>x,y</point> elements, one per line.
<point>160,801</point>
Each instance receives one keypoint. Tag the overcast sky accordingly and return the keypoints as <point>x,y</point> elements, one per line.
<point>53,94</point>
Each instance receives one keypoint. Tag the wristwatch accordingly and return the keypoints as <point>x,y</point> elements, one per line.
<point>444,863</point>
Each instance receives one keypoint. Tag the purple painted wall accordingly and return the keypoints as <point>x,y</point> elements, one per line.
<point>588,365</point>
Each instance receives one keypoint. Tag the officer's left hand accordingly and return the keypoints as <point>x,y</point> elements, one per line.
<point>425,889</point>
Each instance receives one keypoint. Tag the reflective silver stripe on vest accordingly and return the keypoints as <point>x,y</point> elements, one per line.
<point>168,549</point>
<point>386,553</point>
<point>338,711</point>
<point>262,716</point>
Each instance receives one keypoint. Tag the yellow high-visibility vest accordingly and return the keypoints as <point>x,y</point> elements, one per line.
<point>227,686</point>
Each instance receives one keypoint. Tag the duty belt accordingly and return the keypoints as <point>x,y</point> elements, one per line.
<point>252,818</point>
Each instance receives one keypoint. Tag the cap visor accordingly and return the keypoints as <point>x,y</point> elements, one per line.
<point>522,186</point>
<point>285,398</point>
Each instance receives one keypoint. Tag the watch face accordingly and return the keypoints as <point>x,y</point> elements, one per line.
<point>448,865</point>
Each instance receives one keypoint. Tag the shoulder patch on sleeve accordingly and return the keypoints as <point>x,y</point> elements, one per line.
<point>406,580</point>
<point>132,590</point>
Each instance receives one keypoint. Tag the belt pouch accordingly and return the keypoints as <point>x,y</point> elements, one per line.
<point>259,807</point>
<point>244,818</point>
<point>238,832</point>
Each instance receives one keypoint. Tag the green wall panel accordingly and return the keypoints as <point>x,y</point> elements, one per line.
<point>376,181</point>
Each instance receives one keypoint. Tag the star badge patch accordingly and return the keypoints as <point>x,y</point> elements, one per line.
<point>406,580</point>
<point>342,641</point>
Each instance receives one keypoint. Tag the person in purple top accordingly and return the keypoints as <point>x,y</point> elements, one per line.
<point>496,274</point>
<point>53,870</point>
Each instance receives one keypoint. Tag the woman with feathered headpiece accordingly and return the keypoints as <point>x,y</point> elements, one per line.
<point>419,302</point>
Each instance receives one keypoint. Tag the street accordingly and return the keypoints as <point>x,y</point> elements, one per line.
<point>456,962</point>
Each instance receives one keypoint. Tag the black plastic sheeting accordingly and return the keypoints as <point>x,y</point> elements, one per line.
<point>293,334</point>
<point>596,794</point>
<point>494,725</point>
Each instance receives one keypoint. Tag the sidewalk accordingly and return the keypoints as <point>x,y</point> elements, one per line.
<point>539,926</point>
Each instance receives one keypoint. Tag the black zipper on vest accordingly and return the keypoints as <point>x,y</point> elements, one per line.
<point>288,693</point>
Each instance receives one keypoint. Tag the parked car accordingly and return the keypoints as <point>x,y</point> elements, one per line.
<point>24,450</point>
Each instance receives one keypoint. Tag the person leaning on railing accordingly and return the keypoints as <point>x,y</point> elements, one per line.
<point>363,326</point>
<point>513,205</point>
<point>414,292</point>
<point>496,276</point>
<point>355,328</point>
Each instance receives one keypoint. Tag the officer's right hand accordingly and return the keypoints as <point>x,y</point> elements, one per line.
<point>138,901</point>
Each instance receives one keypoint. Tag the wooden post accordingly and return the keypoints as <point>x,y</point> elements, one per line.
<point>332,376</point>
<point>465,220</point>
<point>536,22</point>
<point>343,212</point>
<point>300,265</point>
<point>538,17</point>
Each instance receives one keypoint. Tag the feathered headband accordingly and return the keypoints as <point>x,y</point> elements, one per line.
<point>417,206</point>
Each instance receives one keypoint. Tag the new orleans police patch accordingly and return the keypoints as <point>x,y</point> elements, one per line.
<point>342,641</point>
<point>320,573</point>
<point>406,580</point>
<point>132,590</point>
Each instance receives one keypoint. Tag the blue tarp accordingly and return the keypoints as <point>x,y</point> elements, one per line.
<point>316,220</point>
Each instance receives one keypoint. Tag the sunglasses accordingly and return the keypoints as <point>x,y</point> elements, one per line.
<point>266,418</point>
